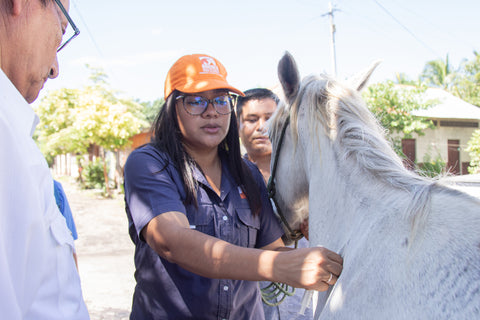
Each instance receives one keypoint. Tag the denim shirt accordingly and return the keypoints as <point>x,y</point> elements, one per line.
<point>165,290</point>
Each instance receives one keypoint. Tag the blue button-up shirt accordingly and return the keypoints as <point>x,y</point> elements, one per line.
<point>165,290</point>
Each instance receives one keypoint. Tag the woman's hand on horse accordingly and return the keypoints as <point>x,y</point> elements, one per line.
<point>310,268</point>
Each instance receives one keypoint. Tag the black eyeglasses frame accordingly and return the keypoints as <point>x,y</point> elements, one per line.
<point>76,31</point>
<point>209,101</point>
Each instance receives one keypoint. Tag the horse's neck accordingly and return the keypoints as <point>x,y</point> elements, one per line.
<point>326,197</point>
<point>339,198</point>
<point>328,207</point>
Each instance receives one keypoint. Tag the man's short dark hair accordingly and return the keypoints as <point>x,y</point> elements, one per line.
<point>254,94</point>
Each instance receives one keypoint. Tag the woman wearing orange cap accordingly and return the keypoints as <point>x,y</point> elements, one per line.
<point>199,214</point>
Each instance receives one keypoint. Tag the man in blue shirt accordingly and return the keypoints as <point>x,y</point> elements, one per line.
<point>64,207</point>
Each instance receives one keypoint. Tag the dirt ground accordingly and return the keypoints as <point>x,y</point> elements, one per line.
<point>104,251</point>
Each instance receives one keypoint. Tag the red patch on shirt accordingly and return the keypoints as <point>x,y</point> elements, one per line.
<point>242,195</point>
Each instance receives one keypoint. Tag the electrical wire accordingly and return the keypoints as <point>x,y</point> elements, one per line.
<point>90,35</point>
<point>455,37</point>
<point>111,73</point>
<point>406,29</point>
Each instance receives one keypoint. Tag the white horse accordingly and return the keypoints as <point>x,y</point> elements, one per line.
<point>411,245</point>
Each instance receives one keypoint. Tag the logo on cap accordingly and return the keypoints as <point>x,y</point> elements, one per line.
<point>209,65</point>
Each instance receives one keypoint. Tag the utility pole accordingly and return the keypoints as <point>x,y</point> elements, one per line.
<point>332,40</point>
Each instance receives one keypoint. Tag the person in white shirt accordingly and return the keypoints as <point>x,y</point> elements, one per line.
<point>38,277</point>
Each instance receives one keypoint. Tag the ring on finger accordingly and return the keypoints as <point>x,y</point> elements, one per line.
<point>330,279</point>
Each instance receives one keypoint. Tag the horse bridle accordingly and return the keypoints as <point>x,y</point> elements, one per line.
<point>294,235</point>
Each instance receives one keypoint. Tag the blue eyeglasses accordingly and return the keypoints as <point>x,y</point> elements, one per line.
<point>196,105</point>
<point>76,31</point>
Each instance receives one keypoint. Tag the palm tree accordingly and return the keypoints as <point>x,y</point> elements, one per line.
<point>439,73</point>
<point>468,83</point>
<point>402,78</point>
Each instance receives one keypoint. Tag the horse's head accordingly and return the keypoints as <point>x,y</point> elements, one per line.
<point>288,181</point>
<point>311,106</point>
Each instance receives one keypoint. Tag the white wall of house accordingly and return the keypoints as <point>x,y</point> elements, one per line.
<point>455,119</point>
<point>435,142</point>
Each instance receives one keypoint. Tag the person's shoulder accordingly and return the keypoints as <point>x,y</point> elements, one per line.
<point>60,196</point>
<point>57,185</point>
<point>253,169</point>
<point>148,158</point>
<point>146,152</point>
<point>252,166</point>
<point>58,189</point>
<point>247,161</point>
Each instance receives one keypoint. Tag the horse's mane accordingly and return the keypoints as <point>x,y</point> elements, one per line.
<point>356,136</point>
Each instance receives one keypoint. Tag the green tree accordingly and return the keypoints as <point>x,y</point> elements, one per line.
<point>72,120</point>
<point>473,147</point>
<point>439,73</point>
<point>393,105</point>
<point>151,109</point>
<point>468,82</point>
<point>56,133</point>
<point>402,78</point>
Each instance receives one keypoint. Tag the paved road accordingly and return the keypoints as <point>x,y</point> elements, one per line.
<point>105,253</point>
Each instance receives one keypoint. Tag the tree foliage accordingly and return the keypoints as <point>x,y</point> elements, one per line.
<point>393,105</point>
<point>474,151</point>
<point>57,132</point>
<point>151,109</point>
<point>439,73</point>
<point>468,81</point>
<point>402,78</point>
<point>74,119</point>
<point>463,83</point>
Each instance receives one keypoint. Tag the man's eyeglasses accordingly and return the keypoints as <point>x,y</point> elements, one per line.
<point>76,31</point>
<point>196,105</point>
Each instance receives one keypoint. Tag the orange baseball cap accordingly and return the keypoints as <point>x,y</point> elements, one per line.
<point>197,73</point>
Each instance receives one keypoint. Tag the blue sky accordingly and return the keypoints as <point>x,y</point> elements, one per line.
<point>136,42</point>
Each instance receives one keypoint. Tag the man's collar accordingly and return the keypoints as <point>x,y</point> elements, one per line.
<point>19,113</point>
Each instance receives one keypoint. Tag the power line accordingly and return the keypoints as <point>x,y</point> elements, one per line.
<point>111,74</point>
<point>109,71</point>
<point>90,35</point>
<point>406,29</point>
<point>455,37</point>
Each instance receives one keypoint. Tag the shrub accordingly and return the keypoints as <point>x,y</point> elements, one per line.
<point>474,152</point>
<point>93,175</point>
<point>432,167</point>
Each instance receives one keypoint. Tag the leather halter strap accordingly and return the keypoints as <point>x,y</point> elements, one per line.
<point>294,234</point>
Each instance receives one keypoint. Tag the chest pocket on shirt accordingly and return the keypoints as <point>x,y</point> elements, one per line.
<point>204,222</point>
<point>61,233</point>
<point>248,227</point>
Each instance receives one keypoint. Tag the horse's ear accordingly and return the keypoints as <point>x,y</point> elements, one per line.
<point>360,80</point>
<point>289,76</point>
